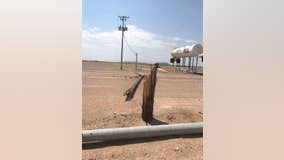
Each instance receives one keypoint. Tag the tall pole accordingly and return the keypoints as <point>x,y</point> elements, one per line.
<point>189,63</point>
<point>122,28</point>
<point>121,51</point>
<point>136,60</point>
<point>192,65</point>
<point>196,64</point>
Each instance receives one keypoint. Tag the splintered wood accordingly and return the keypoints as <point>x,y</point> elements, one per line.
<point>148,95</point>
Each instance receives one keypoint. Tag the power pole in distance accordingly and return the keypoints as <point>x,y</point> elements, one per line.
<point>136,54</point>
<point>122,28</point>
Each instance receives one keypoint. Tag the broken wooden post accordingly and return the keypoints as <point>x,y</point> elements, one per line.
<point>148,94</point>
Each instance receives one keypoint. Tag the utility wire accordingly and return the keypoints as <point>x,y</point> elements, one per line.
<point>130,48</point>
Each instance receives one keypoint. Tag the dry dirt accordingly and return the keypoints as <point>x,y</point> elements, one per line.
<point>178,99</point>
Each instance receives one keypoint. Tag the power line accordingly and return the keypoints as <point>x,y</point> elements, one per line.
<point>134,52</point>
<point>130,48</point>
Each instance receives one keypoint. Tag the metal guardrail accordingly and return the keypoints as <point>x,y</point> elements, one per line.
<point>141,132</point>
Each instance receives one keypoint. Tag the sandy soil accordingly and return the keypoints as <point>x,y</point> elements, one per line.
<point>178,99</point>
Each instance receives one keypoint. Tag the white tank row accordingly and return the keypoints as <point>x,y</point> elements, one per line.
<point>187,51</point>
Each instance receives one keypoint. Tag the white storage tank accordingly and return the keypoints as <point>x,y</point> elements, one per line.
<point>187,51</point>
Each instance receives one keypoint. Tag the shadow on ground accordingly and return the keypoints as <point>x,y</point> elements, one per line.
<point>157,122</point>
<point>201,74</point>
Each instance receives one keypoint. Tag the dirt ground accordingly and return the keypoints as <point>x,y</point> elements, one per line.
<point>178,99</point>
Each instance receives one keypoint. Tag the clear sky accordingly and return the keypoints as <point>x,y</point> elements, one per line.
<point>155,28</point>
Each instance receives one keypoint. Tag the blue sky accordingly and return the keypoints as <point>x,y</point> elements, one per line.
<point>155,28</point>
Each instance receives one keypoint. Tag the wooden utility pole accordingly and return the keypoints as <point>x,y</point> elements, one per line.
<point>122,28</point>
<point>136,61</point>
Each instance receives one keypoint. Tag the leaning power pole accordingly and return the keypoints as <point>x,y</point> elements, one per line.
<point>122,28</point>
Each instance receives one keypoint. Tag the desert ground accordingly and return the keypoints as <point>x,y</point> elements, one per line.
<point>178,99</point>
